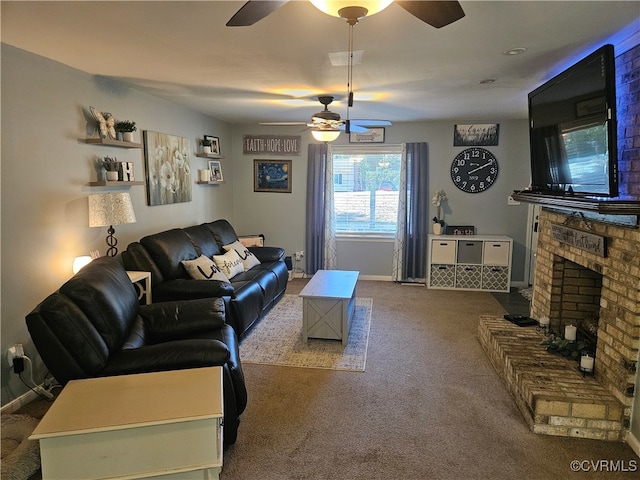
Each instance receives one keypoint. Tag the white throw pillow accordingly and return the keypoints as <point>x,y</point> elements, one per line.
<point>249,260</point>
<point>203,268</point>
<point>230,263</point>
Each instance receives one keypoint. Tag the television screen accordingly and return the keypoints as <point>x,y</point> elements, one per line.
<point>572,120</point>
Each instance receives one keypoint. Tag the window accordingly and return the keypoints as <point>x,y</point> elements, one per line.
<point>366,181</point>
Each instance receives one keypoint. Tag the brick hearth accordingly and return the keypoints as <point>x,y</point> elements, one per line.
<point>552,395</point>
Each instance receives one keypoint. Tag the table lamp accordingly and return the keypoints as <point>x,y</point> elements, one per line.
<point>110,209</point>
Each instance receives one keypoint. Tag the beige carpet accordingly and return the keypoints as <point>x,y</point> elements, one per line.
<point>277,340</point>
<point>428,407</point>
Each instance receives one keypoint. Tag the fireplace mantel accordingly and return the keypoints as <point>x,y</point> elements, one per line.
<point>609,207</point>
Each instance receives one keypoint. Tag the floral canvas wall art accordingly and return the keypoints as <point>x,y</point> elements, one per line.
<point>168,168</point>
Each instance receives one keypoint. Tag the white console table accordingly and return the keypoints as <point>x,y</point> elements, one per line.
<point>470,262</point>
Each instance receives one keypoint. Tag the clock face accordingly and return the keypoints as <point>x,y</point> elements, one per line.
<point>474,170</point>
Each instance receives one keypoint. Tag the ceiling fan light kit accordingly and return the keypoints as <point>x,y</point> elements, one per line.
<point>349,9</point>
<point>325,135</point>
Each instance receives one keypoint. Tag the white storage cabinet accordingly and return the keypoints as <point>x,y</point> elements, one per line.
<point>470,262</point>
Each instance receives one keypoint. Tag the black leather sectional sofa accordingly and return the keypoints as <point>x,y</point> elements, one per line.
<point>247,296</point>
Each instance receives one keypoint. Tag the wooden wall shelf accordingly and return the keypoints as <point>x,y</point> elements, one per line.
<point>114,183</point>
<point>209,155</point>
<point>111,143</point>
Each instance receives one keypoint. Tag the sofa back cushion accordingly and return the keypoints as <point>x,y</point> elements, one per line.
<point>223,232</point>
<point>203,240</point>
<point>168,249</point>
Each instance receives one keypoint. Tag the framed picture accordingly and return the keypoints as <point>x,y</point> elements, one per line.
<point>272,176</point>
<point>373,135</point>
<point>216,171</point>
<point>478,134</point>
<point>168,168</point>
<point>215,144</point>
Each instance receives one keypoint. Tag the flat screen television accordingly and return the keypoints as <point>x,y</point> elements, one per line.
<point>572,130</point>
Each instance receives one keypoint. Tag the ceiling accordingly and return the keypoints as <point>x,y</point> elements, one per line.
<point>273,70</point>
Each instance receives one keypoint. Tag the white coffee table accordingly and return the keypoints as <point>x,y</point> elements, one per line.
<point>166,424</point>
<point>328,305</point>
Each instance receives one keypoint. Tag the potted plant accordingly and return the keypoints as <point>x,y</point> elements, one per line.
<point>126,129</point>
<point>112,166</point>
<point>206,146</point>
<point>438,222</point>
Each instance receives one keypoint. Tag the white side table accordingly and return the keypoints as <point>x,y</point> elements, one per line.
<point>166,424</point>
<point>142,282</point>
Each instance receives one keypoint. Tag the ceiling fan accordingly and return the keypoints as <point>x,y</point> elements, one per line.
<point>436,13</point>
<point>328,121</point>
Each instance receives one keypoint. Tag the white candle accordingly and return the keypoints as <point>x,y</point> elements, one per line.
<point>544,321</point>
<point>586,363</point>
<point>570,333</point>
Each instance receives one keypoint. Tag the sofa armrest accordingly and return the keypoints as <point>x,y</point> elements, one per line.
<point>176,355</point>
<point>268,254</point>
<point>165,321</point>
<point>188,288</point>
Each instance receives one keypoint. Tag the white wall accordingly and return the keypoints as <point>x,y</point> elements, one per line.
<point>45,170</point>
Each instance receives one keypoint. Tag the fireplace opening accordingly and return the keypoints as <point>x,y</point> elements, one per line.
<point>575,299</point>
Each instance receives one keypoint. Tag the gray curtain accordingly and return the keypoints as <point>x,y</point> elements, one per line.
<point>415,228</point>
<point>315,228</point>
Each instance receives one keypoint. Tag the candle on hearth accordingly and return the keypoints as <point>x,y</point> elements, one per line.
<point>544,321</point>
<point>570,333</point>
<point>586,363</point>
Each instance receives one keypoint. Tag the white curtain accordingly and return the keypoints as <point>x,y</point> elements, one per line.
<point>398,246</point>
<point>330,253</point>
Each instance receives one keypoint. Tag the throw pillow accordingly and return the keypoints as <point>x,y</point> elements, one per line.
<point>249,260</point>
<point>230,263</point>
<point>203,268</point>
<point>252,241</point>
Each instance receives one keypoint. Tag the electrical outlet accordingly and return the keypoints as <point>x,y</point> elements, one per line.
<point>15,351</point>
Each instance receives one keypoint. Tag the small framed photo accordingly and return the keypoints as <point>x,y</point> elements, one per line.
<point>216,171</point>
<point>215,144</point>
<point>477,134</point>
<point>373,135</point>
<point>272,176</point>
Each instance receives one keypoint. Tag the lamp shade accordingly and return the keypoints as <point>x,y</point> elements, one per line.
<point>331,7</point>
<point>80,262</point>
<point>106,209</point>
<point>325,135</point>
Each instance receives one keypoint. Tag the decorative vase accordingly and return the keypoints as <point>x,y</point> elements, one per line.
<point>119,136</point>
<point>437,229</point>
<point>206,149</point>
<point>112,176</point>
<point>127,136</point>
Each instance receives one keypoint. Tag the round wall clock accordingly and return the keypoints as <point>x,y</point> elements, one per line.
<point>474,170</point>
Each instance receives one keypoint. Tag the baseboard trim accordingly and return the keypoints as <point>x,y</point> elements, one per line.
<point>17,403</point>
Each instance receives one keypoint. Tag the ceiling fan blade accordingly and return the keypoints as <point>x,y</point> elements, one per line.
<point>436,13</point>
<point>353,128</point>
<point>371,123</point>
<point>254,11</point>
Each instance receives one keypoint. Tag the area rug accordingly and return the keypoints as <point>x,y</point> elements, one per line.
<point>277,339</point>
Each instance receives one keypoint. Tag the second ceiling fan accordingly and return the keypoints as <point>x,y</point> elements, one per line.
<point>326,120</point>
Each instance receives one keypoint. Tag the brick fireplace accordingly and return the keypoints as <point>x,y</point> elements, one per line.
<point>600,295</point>
<point>559,265</point>
<point>575,286</point>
